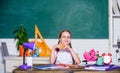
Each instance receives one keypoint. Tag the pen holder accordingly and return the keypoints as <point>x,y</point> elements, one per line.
<point>29,61</point>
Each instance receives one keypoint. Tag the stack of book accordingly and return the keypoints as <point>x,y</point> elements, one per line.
<point>103,67</point>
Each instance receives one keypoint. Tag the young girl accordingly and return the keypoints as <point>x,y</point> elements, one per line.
<point>63,53</point>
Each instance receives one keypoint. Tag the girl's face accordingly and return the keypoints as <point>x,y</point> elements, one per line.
<point>65,38</point>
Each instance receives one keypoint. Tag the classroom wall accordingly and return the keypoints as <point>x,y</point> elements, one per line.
<point>115,37</point>
<point>81,45</point>
<point>1,63</point>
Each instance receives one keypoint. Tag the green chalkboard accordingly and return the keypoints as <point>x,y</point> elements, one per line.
<point>86,19</point>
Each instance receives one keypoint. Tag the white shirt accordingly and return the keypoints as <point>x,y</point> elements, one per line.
<point>64,57</point>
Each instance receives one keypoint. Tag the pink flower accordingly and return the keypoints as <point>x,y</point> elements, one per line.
<point>90,56</point>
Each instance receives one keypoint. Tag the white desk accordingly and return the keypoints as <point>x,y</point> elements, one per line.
<point>12,62</point>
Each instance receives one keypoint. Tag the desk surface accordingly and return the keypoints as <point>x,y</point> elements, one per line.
<point>69,70</point>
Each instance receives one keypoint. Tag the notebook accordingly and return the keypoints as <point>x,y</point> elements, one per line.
<point>95,67</point>
<point>50,66</point>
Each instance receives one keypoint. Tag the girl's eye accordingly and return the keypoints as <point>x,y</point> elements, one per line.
<point>66,37</point>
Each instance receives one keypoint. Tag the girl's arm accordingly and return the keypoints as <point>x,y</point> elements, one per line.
<point>75,56</point>
<point>53,55</point>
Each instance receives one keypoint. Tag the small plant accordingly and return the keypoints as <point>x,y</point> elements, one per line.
<point>20,35</point>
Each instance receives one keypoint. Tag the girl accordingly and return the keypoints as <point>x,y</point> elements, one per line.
<point>63,53</point>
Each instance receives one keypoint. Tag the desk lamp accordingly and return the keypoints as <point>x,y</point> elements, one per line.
<point>29,45</point>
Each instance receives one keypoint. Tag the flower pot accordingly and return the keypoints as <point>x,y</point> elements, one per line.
<point>21,51</point>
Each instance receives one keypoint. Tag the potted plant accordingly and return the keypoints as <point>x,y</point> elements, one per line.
<point>21,36</point>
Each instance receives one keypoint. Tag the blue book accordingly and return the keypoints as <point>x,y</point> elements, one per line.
<point>50,66</point>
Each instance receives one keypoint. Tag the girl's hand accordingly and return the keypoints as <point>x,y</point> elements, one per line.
<point>67,47</point>
<point>62,47</point>
<point>57,47</point>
